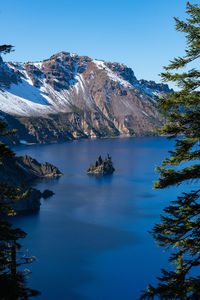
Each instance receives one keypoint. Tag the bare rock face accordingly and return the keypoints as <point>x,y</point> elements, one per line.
<point>69,96</point>
<point>32,166</point>
<point>8,75</point>
<point>34,73</point>
<point>21,172</point>
<point>47,193</point>
<point>152,88</point>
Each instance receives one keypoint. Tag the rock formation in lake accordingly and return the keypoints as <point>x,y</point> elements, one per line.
<point>68,96</point>
<point>33,167</point>
<point>47,193</point>
<point>21,172</point>
<point>102,167</point>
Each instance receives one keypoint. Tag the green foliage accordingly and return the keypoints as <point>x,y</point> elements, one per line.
<point>179,229</point>
<point>12,281</point>
<point>4,49</point>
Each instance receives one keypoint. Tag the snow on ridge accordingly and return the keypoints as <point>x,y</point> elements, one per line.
<point>20,67</point>
<point>24,99</point>
<point>145,113</point>
<point>101,65</point>
<point>63,54</point>
<point>73,54</point>
<point>37,64</point>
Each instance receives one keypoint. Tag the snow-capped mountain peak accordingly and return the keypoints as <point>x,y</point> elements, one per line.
<point>66,82</point>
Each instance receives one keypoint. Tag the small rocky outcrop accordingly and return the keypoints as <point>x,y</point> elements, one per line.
<point>47,193</point>
<point>32,166</point>
<point>103,167</point>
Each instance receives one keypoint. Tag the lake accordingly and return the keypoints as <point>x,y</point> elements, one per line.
<point>90,238</point>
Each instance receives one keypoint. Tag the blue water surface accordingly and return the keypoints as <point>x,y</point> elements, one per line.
<point>90,238</point>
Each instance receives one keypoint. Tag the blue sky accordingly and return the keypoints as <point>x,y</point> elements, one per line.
<point>139,34</point>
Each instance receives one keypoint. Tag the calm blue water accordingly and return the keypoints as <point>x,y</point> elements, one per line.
<point>91,237</point>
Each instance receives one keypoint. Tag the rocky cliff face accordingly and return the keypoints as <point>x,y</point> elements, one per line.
<point>21,172</point>
<point>70,96</point>
<point>36,169</point>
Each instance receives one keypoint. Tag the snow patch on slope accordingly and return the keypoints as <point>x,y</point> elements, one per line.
<point>101,65</point>
<point>79,83</point>
<point>26,99</point>
<point>145,113</point>
<point>26,90</point>
<point>16,105</point>
<point>37,64</point>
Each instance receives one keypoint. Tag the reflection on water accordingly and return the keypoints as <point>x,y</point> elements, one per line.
<point>91,237</point>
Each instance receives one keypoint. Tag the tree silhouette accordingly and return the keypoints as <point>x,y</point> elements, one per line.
<point>179,229</point>
<point>12,279</point>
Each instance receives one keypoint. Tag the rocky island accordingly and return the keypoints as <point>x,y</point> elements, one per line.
<point>102,167</point>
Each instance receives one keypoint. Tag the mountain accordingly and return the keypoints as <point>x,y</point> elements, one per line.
<point>69,96</point>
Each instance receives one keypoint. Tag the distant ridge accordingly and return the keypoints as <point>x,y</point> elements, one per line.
<point>69,96</point>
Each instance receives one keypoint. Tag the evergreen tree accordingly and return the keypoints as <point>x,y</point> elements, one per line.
<point>4,49</point>
<point>179,229</point>
<point>12,281</point>
<point>100,161</point>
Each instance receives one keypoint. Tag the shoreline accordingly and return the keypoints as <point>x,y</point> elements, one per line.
<point>90,139</point>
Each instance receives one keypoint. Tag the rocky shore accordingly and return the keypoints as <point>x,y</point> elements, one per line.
<point>22,172</point>
<point>33,167</point>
